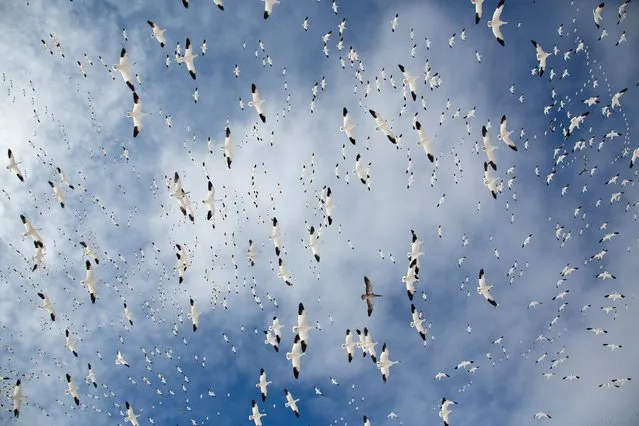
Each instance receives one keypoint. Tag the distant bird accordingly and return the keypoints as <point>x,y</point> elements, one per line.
<point>541,57</point>
<point>382,125</point>
<point>541,415</point>
<point>596,14</point>
<point>504,134</point>
<point>16,398</point>
<point>47,305</point>
<point>119,360</point>
<point>194,315</point>
<point>409,80</point>
<point>369,295</point>
<point>136,115</point>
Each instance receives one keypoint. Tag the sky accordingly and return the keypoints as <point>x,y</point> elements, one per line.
<point>52,116</point>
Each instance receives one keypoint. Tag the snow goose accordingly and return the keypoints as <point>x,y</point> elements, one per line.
<point>194,315</point>
<point>444,411</point>
<point>424,141</point>
<point>489,149</point>
<point>119,359</point>
<point>313,243</point>
<point>635,156</point>
<point>257,102</point>
<point>13,166</point>
<point>362,171</point>
<point>47,305</point>
<point>348,126</point>
<point>328,203</point>
<point>291,403</point>
<point>418,322</point>
<point>541,57</point>
<point>268,7</point>
<point>63,178</point>
<point>130,415</point>
<point>295,356</point>
<point>276,328</point>
<point>369,295</point>
<point>30,230</point>
<point>57,193</point>
<point>189,58</point>
<point>72,390</point>
<point>210,201</point>
<point>349,345</point>
<point>302,327</point>
<point>262,384</point>
<point>125,69</point>
<point>409,80</point>
<point>384,364</point>
<point>616,97</point>
<point>575,122</point>
<point>158,33</point>
<point>496,23</point>
<point>478,9</point>
<point>256,416</point>
<point>490,181</point>
<point>596,14</point>
<point>228,147</point>
<point>410,279</point>
<point>504,134</point>
<point>91,376</point>
<point>484,289</point>
<point>88,251</point>
<point>137,114</point>
<point>16,398</point>
<point>276,236</point>
<point>271,339</point>
<point>69,344</point>
<point>89,281</point>
<point>367,344</point>
<point>382,125</point>
<point>39,254</point>
<point>394,22</point>
<point>251,253</point>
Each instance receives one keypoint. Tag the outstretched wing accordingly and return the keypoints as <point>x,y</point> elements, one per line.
<point>369,303</point>
<point>369,285</point>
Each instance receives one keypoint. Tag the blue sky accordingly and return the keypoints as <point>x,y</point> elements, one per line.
<point>81,118</point>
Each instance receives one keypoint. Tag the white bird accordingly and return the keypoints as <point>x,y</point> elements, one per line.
<point>194,315</point>
<point>130,415</point>
<point>541,415</point>
<point>382,125</point>
<point>256,416</point>
<point>158,33</point>
<point>72,390</point>
<point>69,344</point>
<point>484,289</point>
<point>125,69</point>
<point>349,345</point>
<point>276,328</point>
<point>210,201</point>
<point>295,356</point>
<point>596,14</point>
<point>418,322</point>
<point>257,102</point>
<point>57,193</point>
<point>137,114</point>
<point>91,377</point>
<point>88,251</point>
<point>302,327</point>
<point>30,230</point>
<point>504,134</point>
<point>394,22</point>
<point>228,147</point>
<point>384,364</point>
<point>119,360</point>
<point>291,403</point>
<point>614,102</point>
<point>424,141</point>
<point>13,166</point>
<point>262,385</point>
<point>478,9</point>
<point>541,57</point>
<point>409,80</point>
<point>575,122</point>
<point>268,7</point>
<point>89,281</point>
<point>47,305</point>
<point>444,411</point>
<point>189,58</point>
<point>441,375</point>
<point>489,149</point>
<point>496,23</point>
<point>348,126</point>
<point>313,243</point>
<point>16,398</point>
